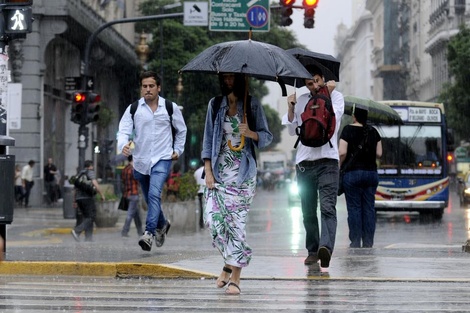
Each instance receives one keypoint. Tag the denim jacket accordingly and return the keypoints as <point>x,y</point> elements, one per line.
<point>213,134</point>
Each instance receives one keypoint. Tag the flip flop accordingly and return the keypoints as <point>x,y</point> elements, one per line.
<point>233,293</point>
<point>224,283</point>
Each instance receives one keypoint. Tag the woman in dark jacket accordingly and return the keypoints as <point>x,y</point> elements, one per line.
<point>359,147</point>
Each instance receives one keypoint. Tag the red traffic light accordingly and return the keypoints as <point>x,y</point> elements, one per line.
<point>79,97</point>
<point>310,3</point>
<point>287,3</point>
<point>20,2</point>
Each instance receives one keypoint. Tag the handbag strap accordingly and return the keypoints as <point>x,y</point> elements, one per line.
<point>356,152</point>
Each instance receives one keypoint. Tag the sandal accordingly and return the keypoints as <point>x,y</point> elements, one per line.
<point>223,283</point>
<point>233,293</point>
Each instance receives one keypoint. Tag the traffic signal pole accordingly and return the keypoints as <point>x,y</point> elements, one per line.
<point>86,78</point>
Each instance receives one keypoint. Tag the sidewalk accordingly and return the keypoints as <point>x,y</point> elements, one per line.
<point>39,243</point>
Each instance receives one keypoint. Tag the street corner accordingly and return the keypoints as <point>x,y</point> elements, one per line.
<point>125,270</point>
<point>99,269</point>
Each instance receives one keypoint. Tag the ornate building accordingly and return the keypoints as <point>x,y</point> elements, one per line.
<point>54,53</point>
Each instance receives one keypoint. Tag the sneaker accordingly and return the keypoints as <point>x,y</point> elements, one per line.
<point>146,240</point>
<point>161,234</point>
<point>325,256</point>
<point>311,259</point>
<point>75,235</point>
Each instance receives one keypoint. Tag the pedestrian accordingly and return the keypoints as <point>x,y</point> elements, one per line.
<point>359,147</point>
<point>50,181</point>
<point>201,183</point>
<point>317,171</point>
<point>19,191</point>
<point>173,183</point>
<point>131,192</point>
<point>155,149</point>
<point>231,175</point>
<point>85,201</point>
<point>27,181</point>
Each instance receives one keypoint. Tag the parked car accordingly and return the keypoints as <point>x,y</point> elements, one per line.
<point>464,189</point>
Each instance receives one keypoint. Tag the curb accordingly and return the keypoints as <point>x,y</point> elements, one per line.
<point>99,269</point>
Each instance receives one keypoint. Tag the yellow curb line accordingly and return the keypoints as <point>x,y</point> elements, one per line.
<point>98,269</point>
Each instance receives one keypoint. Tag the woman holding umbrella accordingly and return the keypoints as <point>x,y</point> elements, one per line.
<point>230,173</point>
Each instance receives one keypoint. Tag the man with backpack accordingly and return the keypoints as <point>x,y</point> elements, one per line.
<point>317,166</point>
<point>156,129</point>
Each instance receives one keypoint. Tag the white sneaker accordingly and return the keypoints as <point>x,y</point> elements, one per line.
<point>146,240</point>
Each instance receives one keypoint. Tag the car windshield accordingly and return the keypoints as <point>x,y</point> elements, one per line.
<point>411,150</point>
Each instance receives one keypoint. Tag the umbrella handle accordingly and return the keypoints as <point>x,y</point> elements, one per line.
<point>242,143</point>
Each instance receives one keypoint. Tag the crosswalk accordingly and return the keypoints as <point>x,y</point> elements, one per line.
<point>96,294</point>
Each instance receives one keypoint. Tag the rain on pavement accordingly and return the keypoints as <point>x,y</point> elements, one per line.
<point>413,256</point>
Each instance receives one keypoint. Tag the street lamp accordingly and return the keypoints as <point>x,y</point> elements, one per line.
<point>179,89</point>
<point>142,50</point>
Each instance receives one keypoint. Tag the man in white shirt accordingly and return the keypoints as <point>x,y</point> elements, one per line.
<point>154,151</point>
<point>317,172</point>
<point>28,181</point>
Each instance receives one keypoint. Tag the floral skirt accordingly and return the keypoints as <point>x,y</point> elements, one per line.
<point>225,215</point>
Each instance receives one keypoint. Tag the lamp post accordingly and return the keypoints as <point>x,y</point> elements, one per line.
<point>179,89</point>
<point>142,50</point>
<point>162,10</point>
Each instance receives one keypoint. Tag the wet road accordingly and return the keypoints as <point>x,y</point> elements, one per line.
<point>75,294</point>
<point>416,265</point>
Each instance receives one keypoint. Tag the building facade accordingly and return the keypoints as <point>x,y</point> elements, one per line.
<point>53,54</point>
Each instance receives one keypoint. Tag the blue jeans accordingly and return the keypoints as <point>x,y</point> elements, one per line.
<point>132,214</point>
<point>359,189</point>
<point>152,186</point>
<point>318,179</point>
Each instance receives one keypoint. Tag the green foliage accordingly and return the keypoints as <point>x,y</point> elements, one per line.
<point>106,116</point>
<point>456,95</point>
<point>188,186</point>
<point>274,124</point>
<point>179,45</point>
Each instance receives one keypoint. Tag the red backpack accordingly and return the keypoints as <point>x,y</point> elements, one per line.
<point>318,121</point>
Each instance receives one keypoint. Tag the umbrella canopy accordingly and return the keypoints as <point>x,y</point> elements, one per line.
<point>328,64</point>
<point>379,113</point>
<point>253,58</point>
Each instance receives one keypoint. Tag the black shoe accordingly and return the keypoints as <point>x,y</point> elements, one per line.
<point>325,256</point>
<point>311,259</point>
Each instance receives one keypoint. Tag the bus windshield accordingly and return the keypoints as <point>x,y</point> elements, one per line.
<point>414,149</point>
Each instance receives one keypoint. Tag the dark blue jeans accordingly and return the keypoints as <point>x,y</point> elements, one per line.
<point>318,179</point>
<point>359,189</point>
<point>152,186</point>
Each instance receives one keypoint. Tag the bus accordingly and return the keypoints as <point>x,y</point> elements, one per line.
<point>413,171</point>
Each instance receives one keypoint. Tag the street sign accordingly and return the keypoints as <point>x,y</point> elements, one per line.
<point>233,15</point>
<point>196,14</point>
<point>72,83</point>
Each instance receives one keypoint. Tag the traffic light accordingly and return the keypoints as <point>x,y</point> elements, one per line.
<point>17,16</point>
<point>79,99</point>
<point>286,12</point>
<point>93,107</point>
<point>309,14</point>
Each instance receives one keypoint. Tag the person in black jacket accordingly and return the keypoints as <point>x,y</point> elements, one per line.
<point>359,147</point>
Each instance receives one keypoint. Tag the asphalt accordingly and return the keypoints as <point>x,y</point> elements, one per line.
<point>39,243</point>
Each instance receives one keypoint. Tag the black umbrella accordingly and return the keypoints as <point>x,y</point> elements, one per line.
<point>252,58</point>
<point>328,64</point>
